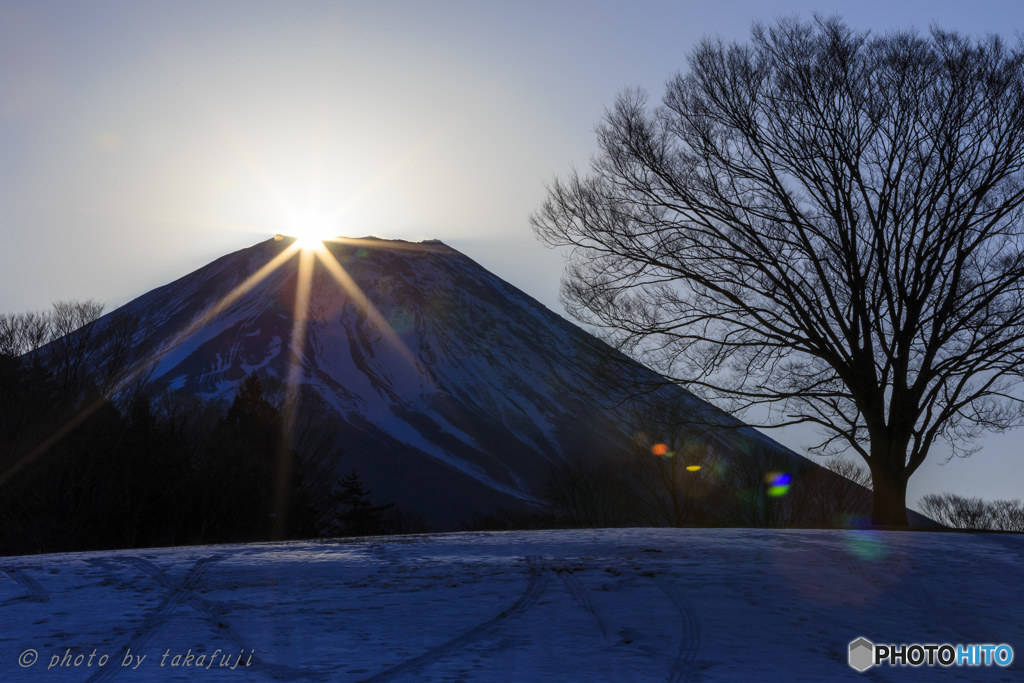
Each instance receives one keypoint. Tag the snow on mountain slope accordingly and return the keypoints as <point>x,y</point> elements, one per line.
<point>598,605</point>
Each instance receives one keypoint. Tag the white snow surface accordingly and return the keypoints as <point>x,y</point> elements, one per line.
<point>594,605</point>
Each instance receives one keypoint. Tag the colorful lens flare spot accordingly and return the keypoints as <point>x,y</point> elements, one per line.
<point>778,483</point>
<point>692,468</point>
<point>659,449</point>
<point>867,545</point>
<point>401,320</point>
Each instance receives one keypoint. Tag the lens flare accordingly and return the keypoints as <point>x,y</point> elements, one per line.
<point>659,449</point>
<point>401,320</point>
<point>692,468</point>
<point>778,483</point>
<point>867,545</point>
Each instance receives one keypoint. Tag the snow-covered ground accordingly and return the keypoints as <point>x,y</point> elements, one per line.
<point>607,605</point>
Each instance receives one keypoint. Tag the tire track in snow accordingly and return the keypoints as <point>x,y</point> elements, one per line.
<point>220,624</point>
<point>538,581</point>
<point>177,593</point>
<point>34,589</point>
<point>579,593</point>
<point>689,643</point>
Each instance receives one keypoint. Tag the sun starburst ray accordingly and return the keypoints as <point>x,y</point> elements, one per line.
<point>241,290</point>
<point>296,360</point>
<point>144,365</point>
<point>297,357</point>
<point>359,297</point>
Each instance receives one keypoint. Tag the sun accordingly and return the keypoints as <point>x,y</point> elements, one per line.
<point>310,230</point>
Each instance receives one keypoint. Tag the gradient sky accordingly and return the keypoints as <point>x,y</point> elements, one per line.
<point>141,140</point>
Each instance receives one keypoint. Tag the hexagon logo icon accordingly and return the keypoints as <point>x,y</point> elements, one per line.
<point>862,654</point>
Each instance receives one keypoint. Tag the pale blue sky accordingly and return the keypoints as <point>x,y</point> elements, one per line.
<point>140,140</point>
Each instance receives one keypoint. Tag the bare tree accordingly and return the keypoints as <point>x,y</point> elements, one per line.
<point>72,339</point>
<point>82,351</point>
<point>580,493</point>
<point>674,486</point>
<point>672,471</point>
<point>764,487</point>
<point>960,512</point>
<point>839,492</point>
<point>823,222</point>
<point>22,333</point>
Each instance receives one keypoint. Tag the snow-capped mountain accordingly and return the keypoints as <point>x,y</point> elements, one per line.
<point>451,393</point>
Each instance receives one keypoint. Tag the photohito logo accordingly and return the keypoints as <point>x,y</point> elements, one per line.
<point>864,654</point>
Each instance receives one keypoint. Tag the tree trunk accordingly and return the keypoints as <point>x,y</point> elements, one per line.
<point>889,502</point>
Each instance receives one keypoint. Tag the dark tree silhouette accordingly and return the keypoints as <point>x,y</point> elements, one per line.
<point>91,457</point>
<point>237,499</point>
<point>664,490</point>
<point>824,222</point>
<point>356,514</point>
<point>581,493</point>
<point>959,512</point>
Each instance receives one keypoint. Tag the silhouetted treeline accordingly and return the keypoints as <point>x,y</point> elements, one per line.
<point>685,471</point>
<point>677,473</point>
<point>92,458</point>
<point>963,512</point>
<point>758,488</point>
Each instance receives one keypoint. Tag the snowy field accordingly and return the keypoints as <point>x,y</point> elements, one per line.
<point>604,605</point>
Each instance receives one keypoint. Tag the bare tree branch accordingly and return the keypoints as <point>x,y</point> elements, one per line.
<point>825,221</point>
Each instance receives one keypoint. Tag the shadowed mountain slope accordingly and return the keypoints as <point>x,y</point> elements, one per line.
<point>452,393</point>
